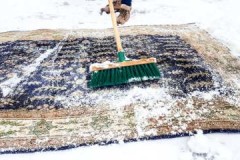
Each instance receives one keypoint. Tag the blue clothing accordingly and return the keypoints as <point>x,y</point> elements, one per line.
<point>127,2</point>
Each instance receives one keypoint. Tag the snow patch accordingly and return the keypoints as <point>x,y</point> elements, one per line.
<point>150,96</point>
<point>199,143</point>
<point>9,85</point>
<point>205,95</point>
<point>103,65</point>
<point>204,148</point>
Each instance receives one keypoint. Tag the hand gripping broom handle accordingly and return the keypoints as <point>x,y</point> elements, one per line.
<point>121,56</point>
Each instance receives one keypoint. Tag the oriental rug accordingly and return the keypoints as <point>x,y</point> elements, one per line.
<point>45,103</point>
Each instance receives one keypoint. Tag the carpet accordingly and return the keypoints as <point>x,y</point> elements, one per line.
<point>45,103</point>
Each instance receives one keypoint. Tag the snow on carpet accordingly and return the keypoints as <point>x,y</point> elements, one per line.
<point>222,24</point>
<point>51,107</point>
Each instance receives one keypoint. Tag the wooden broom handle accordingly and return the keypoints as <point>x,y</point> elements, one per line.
<point>114,23</point>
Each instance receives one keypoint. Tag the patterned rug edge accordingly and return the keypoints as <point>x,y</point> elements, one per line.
<point>106,143</point>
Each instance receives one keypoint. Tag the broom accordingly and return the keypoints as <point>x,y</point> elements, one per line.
<point>123,71</point>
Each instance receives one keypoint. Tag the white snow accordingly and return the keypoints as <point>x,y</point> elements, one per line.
<point>103,65</point>
<point>149,95</point>
<point>218,17</point>
<point>9,85</point>
<point>206,147</point>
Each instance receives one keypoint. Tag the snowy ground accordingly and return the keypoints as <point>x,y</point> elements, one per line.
<point>218,17</point>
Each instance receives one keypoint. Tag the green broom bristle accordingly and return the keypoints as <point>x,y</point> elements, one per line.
<point>122,75</point>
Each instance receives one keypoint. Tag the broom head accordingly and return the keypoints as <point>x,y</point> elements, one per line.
<point>110,74</point>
